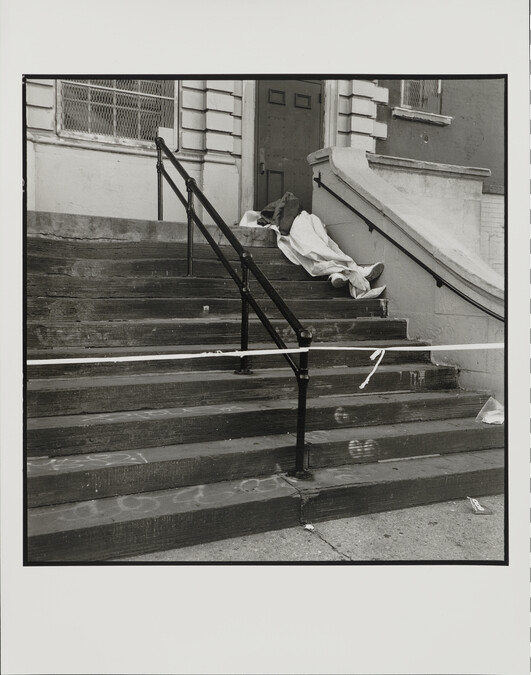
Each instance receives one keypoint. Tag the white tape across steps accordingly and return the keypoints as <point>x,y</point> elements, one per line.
<point>376,352</point>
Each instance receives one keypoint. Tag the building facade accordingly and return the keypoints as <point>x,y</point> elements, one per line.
<point>90,144</point>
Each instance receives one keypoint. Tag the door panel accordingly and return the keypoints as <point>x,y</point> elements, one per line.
<point>289,122</point>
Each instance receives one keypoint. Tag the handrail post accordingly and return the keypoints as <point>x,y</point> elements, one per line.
<point>190,183</point>
<point>244,360</point>
<point>303,379</point>
<point>160,205</point>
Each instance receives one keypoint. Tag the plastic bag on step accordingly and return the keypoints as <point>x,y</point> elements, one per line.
<point>492,412</point>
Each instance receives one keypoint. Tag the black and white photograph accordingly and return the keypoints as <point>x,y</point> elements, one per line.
<point>257,308</point>
<point>265,342</point>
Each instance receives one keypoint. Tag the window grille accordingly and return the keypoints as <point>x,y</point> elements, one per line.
<point>117,109</point>
<point>422,95</point>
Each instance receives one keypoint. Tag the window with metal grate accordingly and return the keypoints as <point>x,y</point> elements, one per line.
<point>422,95</point>
<point>116,110</point>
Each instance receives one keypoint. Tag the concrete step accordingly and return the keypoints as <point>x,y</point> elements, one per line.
<point>207,330</point>
<point>119,526</point>
<point>154,267</point>
<point>93,394</point>
<point>320,359</point>
<point>82,477</point>
<point>63,286</point>
<point>340,492</point>
<point>58,436</point>
<point>105,230</point>
<point>89,309</point>
<point>83,249</point>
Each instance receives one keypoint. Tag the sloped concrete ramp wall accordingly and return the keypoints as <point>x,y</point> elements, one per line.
<point>435,314</point>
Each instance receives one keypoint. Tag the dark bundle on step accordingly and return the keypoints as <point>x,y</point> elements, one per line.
<point>282,212</point>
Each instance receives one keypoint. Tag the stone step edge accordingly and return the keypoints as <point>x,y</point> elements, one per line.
<point>338,301</point>
<point>67,226</point>
<point>120,526</point>
<point>80,352</point>
<point>63,383</point>
<point>91,477</point>
<point>269,405</point>
<point>208,321</point>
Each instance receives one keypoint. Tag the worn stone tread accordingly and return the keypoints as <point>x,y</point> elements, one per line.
<point>81,477</point>
<point>90,309</point>
<point>77,434</point>
<point>56,285</point>
<point>67,396</point>
<point>216,329</point>
<point>153,268</point>
<point>117,526</point>
<point>332,358</point>
<point>397,441</point>
<point>345,491</point>
<point>54,384</point>
<point>105,528</point>
<point>119,250</point>
<point>106,230</point>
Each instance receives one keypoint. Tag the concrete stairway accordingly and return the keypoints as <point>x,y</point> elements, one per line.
<point>125,458</point>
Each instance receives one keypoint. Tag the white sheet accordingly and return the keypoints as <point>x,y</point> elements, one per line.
<point>309,245</point>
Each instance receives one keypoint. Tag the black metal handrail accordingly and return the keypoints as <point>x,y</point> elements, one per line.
<point>304,336</point>
<point>440,281</point>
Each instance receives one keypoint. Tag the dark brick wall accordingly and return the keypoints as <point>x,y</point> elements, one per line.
<point>474,138</point>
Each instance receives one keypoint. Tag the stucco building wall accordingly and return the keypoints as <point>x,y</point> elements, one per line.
<point>493,231</point>
<point>215,141</point>
<point>76,175</point>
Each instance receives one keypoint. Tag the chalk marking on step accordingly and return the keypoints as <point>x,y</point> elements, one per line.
<point>258,352</point>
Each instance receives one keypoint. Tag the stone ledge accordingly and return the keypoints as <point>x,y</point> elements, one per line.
<point>421,116</point>
<point>427,167</point>
<point>148,150</point>
<point>498,190</point>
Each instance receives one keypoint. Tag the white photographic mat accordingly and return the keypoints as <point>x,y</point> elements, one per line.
<point>408,619</point>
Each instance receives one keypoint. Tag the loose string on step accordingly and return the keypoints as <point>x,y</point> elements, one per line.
<point>376,352</point>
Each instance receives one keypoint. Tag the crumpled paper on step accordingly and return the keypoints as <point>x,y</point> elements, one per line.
<point>492,412</point>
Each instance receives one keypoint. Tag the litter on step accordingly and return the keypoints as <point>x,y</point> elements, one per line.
<point>478,508</point>
<point>492,412</point>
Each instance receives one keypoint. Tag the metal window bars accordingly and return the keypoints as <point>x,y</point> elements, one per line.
<point>422,95</point>
<point>117,109</point>
<point>304,337</point>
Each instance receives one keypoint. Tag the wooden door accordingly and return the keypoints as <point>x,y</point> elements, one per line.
<point>289,126</point>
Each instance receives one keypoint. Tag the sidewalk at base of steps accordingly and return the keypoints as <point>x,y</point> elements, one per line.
<point>447,531</point>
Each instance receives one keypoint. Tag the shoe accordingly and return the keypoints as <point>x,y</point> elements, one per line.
<point>338,280</point>
<point>372,272</point>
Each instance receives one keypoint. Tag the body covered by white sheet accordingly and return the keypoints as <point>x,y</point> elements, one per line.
<point>309,245</point>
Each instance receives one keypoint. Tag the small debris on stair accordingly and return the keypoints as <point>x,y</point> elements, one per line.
<point>478,509</point>
<point>492,412</point>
